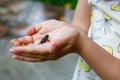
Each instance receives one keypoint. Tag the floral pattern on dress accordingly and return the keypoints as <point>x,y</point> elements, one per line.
<point>105,31</point>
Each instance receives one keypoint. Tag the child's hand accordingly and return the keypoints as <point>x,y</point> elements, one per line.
<point>62,40</point>
<point>35,32</point>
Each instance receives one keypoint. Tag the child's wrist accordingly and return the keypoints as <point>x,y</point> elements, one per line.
<point>81,41</point>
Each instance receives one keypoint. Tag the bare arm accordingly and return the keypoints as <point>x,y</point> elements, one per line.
<point>81,19</point>
<point>103,63</point>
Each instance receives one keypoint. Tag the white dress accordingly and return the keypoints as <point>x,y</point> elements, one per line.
<point>105,31</point>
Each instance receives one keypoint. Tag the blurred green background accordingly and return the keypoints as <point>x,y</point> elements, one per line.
<point>65,3</point>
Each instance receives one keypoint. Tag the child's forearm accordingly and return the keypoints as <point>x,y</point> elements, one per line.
<point>81,18</point>
<point>103,63</point>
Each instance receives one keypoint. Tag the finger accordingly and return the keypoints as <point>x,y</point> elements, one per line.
<point>43,57</point>
<point>38,49</point>
<point>27,59</point>
<point>26,40</point>
<point>37,36</point>
<point>30,30</point>
<point>15,42</point>
<point>22,41</point>
<point>34,29</point>
<point>50,25</point>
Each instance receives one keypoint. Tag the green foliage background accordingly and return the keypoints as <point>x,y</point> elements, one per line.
<point>70,3</point>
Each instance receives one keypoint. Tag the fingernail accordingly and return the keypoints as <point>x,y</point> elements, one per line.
<point>12,50</point>
<point>14,57</point>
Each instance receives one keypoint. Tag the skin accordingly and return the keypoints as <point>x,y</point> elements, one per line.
<point>65,39</point>
<point>59,44</point>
